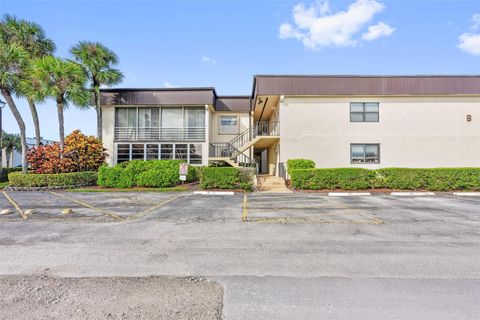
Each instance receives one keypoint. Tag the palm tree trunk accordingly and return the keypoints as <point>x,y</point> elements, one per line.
<point>99,112</point>
<point>60,123</point>
<point>21,126</point>
<point>36,122</point>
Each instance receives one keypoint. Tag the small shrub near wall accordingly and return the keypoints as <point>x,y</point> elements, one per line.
<point>294,164</point>
<point>226,178</point>
<point>155,173</point>
<point>86,178</point>
<point>341,178</point>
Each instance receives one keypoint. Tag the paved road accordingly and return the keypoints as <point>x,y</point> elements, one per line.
<point>305,255</point>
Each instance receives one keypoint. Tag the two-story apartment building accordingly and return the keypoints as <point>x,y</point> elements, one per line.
<point>337,121</point>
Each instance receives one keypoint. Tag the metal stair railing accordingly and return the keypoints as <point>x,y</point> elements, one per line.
<point>226,150</point>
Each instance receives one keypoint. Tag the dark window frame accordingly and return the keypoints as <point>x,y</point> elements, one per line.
<point>364,113</point>
<point>365,153</point>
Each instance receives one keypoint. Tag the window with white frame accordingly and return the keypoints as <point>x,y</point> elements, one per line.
<point>228,125</point>
<point>364,153</point>
<point>190,152</point>
<point>364,112</point>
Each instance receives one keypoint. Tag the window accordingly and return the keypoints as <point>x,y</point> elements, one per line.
<point>160,123</point>
<point>228,125</point>
<point>126,123</point>
<point>189,152</point>
<point>123,153</point>
<point>365,153</point>
<point>196,153</point>
<point>138,151</point>
<point>166,151</point>
<point>181,151</point>
<point>152,152</point>
<point>364,112</point>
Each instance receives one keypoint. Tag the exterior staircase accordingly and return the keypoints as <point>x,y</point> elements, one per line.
<point>269,183</point>
<point>233,152</point>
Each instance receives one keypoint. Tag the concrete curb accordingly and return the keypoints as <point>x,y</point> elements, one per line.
<point>349,194</point>
<point>412,194</point>
<point>467,194</point>
<point>214,193</point>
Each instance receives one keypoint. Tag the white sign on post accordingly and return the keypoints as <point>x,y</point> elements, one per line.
<point>183,171</point>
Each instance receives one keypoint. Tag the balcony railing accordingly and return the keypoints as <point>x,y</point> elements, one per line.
<point>159,134</point>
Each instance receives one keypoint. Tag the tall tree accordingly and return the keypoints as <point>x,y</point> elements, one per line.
<point>11,143</point>
<point>31,37</point>
<point>97,62</point>
<point>12,62</point>
<point>64,81</point>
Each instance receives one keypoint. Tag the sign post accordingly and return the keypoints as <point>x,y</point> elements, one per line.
<point>183,171</point>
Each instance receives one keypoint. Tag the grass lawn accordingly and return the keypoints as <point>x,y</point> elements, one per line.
<point>136,189</point>
<point>3,184</point>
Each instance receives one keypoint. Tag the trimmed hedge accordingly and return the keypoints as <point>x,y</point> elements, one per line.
<point>342,178</point>
<point>434,179</point>
<point>226,178</point>
<point>155,173</point>
<point>5,171</point>
<point>294,164</point>
<point>86,178</point>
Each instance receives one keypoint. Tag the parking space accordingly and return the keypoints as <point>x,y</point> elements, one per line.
<point>307,209</point>
<point>296,208</point>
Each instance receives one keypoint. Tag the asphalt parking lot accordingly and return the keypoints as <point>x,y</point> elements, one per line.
<point>297,255</point>
<point>296,208</point>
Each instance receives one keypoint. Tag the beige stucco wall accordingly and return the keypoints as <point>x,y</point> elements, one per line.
<point>215,136</point>
<point>412,131</point>
<point>108,123</point>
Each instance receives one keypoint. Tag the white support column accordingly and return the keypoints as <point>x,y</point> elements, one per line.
<point>205,149</point>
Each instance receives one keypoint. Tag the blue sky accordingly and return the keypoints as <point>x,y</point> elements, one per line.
<point>224,43</point>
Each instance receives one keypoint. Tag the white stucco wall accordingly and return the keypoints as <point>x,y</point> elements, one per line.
<point>108,123</point>
<point>412,131</point>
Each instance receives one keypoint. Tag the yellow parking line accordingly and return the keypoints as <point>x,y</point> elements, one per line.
<point>15,205</point>
<point>112,215</point>
<point>309,220</point>
<point>245,208</point>
<point>147,211</point>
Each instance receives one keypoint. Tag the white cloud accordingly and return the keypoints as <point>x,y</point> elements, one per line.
<point>169,85</point>
<point>377,31</point>
<point>476,21</point>
<point>470,42</point>
<point>206,60</point>
<point>317,27</point>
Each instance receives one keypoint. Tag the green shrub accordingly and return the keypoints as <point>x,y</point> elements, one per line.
<point>113,177</point>
<point>86,178</point>
<point>294,164</point>
<point>434,179</point>
<point>226,178</point>
<point>341,178</point>
<point>155,173</point>
<point>5,171</point>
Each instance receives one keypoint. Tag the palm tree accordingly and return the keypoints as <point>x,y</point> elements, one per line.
<point>12,62</point>
<point>51,77</point>
<point>31,37</point>
<point>97,61</point>
<point>11,143</point>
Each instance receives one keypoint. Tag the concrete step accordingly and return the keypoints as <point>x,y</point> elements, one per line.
<point>273,189</point>
<point>272,183</point>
